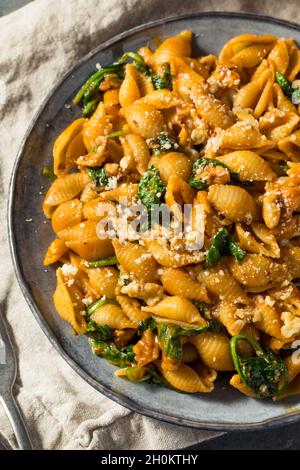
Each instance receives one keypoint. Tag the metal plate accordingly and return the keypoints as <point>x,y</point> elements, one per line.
<point>225,408</point>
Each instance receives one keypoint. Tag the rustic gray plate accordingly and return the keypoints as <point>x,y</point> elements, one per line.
<point>224,409</point>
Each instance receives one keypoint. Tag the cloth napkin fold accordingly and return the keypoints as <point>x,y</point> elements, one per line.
<point>40,42</point>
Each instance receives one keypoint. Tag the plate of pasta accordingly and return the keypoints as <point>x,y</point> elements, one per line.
<point>154,220</point>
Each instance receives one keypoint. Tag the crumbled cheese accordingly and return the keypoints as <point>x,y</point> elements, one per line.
<point>269,301</point>
<point>69,270</point>
<point>124,162</point>
<point>296,84</point>
<point>112,183</point>
<point>87,300</point>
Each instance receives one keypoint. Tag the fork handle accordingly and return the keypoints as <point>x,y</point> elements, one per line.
<point>14,414</point>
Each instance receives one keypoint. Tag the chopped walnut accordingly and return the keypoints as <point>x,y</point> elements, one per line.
<point>146,349</point>
<point>281,198</point>
<point>213,175</point>
<point>97,155</point>
<point>291,325</point>
<point>199,134</point>
<point>149,292</point>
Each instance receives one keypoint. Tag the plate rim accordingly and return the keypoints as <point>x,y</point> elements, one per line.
<point>121,399</point>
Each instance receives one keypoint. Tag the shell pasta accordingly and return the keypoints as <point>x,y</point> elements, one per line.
<point>174,202</point>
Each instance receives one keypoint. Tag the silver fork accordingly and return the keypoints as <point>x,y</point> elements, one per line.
<point>8,372</point>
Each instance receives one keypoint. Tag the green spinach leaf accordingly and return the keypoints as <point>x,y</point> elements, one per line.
<point>222,245</point>
<point>265,373</point>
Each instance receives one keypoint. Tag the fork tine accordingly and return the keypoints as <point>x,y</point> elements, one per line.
<point>8,375</point>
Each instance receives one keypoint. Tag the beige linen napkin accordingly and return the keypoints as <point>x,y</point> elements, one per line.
<point>39,43</point>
